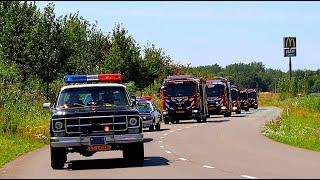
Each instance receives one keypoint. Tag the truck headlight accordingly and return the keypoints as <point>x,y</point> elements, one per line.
<point>165,112</point>
<point>58,125</point>
<point>146,117</point>
<point>223,107</point>
<point>195,111</point>
<point>133,121</point>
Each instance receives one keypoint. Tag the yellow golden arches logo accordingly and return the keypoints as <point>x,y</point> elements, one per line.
<point>290,42</point>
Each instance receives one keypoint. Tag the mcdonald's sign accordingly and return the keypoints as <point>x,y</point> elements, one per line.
<point>289,42</point>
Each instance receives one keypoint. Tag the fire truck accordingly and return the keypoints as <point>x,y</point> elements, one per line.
<point>235,99</point>
<point>219,96</point>
<point>243,95</point>
<point>183,97</point>
<point>252,98</point>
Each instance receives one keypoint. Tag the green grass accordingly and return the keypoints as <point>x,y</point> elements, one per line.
<point>12,146</point>
<point>300,124</point>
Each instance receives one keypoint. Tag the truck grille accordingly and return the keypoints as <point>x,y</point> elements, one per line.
<point>95,124</point>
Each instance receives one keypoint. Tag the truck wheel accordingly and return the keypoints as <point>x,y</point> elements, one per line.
<point>247,109</point>
<point>177,121</point>
<point>238,111</point>
<point>134,154</point>
<point>227,114</point>
<point>151,127</point>
<point>58,157</point>
<point>158,126</point>
<point>204,118</point>
<point>166,121</point>
<point>256,107</point>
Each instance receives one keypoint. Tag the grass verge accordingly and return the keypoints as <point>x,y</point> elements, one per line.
<point>12,146</point>
<point>299,124</point>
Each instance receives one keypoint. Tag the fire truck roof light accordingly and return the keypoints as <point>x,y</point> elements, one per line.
<point>93,78</point>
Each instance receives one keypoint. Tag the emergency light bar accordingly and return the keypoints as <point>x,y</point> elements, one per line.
<point>93,78</point>
<point>148,98</point>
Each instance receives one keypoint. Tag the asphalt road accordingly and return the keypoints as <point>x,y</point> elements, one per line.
<point>221,148</point>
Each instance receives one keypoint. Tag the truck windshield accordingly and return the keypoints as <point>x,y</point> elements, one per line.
<point>234,94</point>
<point>243,96</point>
<point>144,107</point>
<point>179,90</point>
<point>215,90</point>
<point>252,95</point>
<point>97,96</point>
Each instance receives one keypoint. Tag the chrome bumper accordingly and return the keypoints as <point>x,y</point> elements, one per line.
<point>146,124</point>
<point>80,141</point>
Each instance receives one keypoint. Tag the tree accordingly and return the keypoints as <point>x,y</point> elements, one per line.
<point>17,22</point>
<point>124,56</point>
<point>45,48</point>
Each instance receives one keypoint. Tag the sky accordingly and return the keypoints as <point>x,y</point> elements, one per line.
<point>208,32</point>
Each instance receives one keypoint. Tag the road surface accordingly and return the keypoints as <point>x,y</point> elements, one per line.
<point>230,147</point>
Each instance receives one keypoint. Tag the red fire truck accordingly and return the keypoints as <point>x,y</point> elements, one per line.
<point>252,98</point>
<point>219,96</point>
<point>235,99</point>
<point>183,97</point>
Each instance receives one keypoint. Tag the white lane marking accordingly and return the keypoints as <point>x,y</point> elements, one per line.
<point>178,129</point>
<point>160,141</point>
<point>162,146</point>
<point>195,125</point>
<point>187,127</point>
<point>182,159</point>
<point>171,131</point>
<point>249,177</point>
<point>168,152</point>
<point>161,137</point>
<point>206,166</point>
<point>165,134</point>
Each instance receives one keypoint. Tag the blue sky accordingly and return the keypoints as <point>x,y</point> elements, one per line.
<point>203,33</point>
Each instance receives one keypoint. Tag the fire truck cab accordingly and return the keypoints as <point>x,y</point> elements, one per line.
<point>252,98</point>
<point>244,99</point>
<point>235,99</point>
<point>219,97</point>
<point>183,97</point>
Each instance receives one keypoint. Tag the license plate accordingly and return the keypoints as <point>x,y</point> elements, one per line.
<point>179,112</point>
<point>105,147</point>
<point>212,108</point>
<point>179,107</point>
<point>97,140</point>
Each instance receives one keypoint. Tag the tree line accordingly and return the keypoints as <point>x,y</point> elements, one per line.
<point>37,49</point>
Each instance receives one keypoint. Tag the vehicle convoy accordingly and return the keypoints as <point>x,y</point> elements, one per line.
<point>252,98</point>
<point>219,97</point>
<point>244,100</point>
<point>235,99</point>
<point>151,117</point>
<point>183,97</point>
<point>100,116</point>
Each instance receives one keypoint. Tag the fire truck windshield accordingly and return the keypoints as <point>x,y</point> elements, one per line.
<point>179,90</point>
<point>215,90</point>
<point>234,94</point>
<point>243,96</point>
<point>252,95</point>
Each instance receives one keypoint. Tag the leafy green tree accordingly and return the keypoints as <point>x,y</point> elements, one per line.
<point>123,56</point>
<point>46,52</point>
<point>17,21</point>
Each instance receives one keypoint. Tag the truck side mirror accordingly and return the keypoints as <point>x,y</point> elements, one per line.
<point>134,100</point>
<point>46,105</point>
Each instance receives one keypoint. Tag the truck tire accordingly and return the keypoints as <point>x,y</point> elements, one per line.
<point>58,157</point>
<point>177,121</point>
<point>133,154</point>
<point>227,114</point>
<point>166,120</point>
<point>247,109</point>
<point>151,127</point>
<point>238,111</point>
<point>158,126</point>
